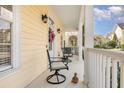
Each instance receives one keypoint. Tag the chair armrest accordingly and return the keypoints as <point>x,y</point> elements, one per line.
<point>56,61</point>
<point>63,61</point>
<point>56,57</point>
<point>60,59</point>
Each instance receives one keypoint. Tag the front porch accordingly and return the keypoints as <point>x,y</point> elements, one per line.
<point>95,68</point>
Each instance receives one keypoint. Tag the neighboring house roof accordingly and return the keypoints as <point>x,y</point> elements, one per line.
<point>98,38</point>
<point>121,25</point>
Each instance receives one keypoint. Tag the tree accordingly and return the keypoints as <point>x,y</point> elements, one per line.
<point>111,44</point>
<point>116,40</point>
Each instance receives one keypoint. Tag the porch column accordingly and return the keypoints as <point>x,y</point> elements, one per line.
<point>89,34</point>
<point>80,47</point>
<point>81,23</point>
<point>89,37</point>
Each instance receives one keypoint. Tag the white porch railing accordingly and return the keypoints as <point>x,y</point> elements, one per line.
<point>104,68</point>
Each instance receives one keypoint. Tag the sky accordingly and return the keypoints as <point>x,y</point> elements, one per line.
<point>105,18</point>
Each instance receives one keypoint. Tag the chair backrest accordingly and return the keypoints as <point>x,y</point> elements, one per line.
<point>49,58</point>
<point>67,50</point>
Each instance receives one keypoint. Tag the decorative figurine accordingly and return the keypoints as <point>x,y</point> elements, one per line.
<point>75,78</point>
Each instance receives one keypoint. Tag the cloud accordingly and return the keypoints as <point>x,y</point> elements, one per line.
<point>106,14</point>
<point>116,10</point>
<point>102,14</point>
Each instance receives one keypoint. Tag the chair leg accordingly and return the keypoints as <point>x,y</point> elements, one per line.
<point>57,78</point>
<point>58,81</point>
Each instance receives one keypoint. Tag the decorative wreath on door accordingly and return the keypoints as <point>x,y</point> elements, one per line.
<point>52,35</point>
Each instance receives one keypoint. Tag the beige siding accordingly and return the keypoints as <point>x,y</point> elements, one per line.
<point>122,39</point>
<point>34,38</point>
<point>120,34</point>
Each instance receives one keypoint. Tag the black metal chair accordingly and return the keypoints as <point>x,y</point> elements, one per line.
<point>67,53</point>
<point>56,64</point>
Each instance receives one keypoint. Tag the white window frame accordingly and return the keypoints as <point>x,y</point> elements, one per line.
<point>15,45</point>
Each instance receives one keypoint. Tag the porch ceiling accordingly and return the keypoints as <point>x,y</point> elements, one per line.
<point>68,15</point>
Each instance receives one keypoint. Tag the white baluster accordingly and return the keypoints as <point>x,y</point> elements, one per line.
<point>94,69</point>
<point>122,75</point>
<point>114,73</point>
<point>91,66</point>
<point>90,59</point>
<point>90,69</point>
<point>100,71</point>
<point>86,68</point>
<point>97,66</point>
<point>95,80</point>
<point>103,70</point>
<point>108,72</point>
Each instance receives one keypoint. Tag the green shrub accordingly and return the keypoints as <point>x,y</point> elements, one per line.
<point>107,45</point>
<point>122,46</point>
<point>104,45</point>
<point>111,44</point>
<point>97,46</point>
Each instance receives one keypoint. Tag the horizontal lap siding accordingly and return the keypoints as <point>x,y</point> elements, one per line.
<point>34,38</point>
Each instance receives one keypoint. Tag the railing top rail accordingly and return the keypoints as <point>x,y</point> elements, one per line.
<point>109,52</point>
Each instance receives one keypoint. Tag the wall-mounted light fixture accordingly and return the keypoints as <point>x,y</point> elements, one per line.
<point>58,30</point>
<point>44,18</point>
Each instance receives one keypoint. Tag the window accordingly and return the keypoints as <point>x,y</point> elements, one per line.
<point>5,42</point>
<point>8,38</point>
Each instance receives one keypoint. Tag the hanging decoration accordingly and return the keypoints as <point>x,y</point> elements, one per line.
<point>51,35</point>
